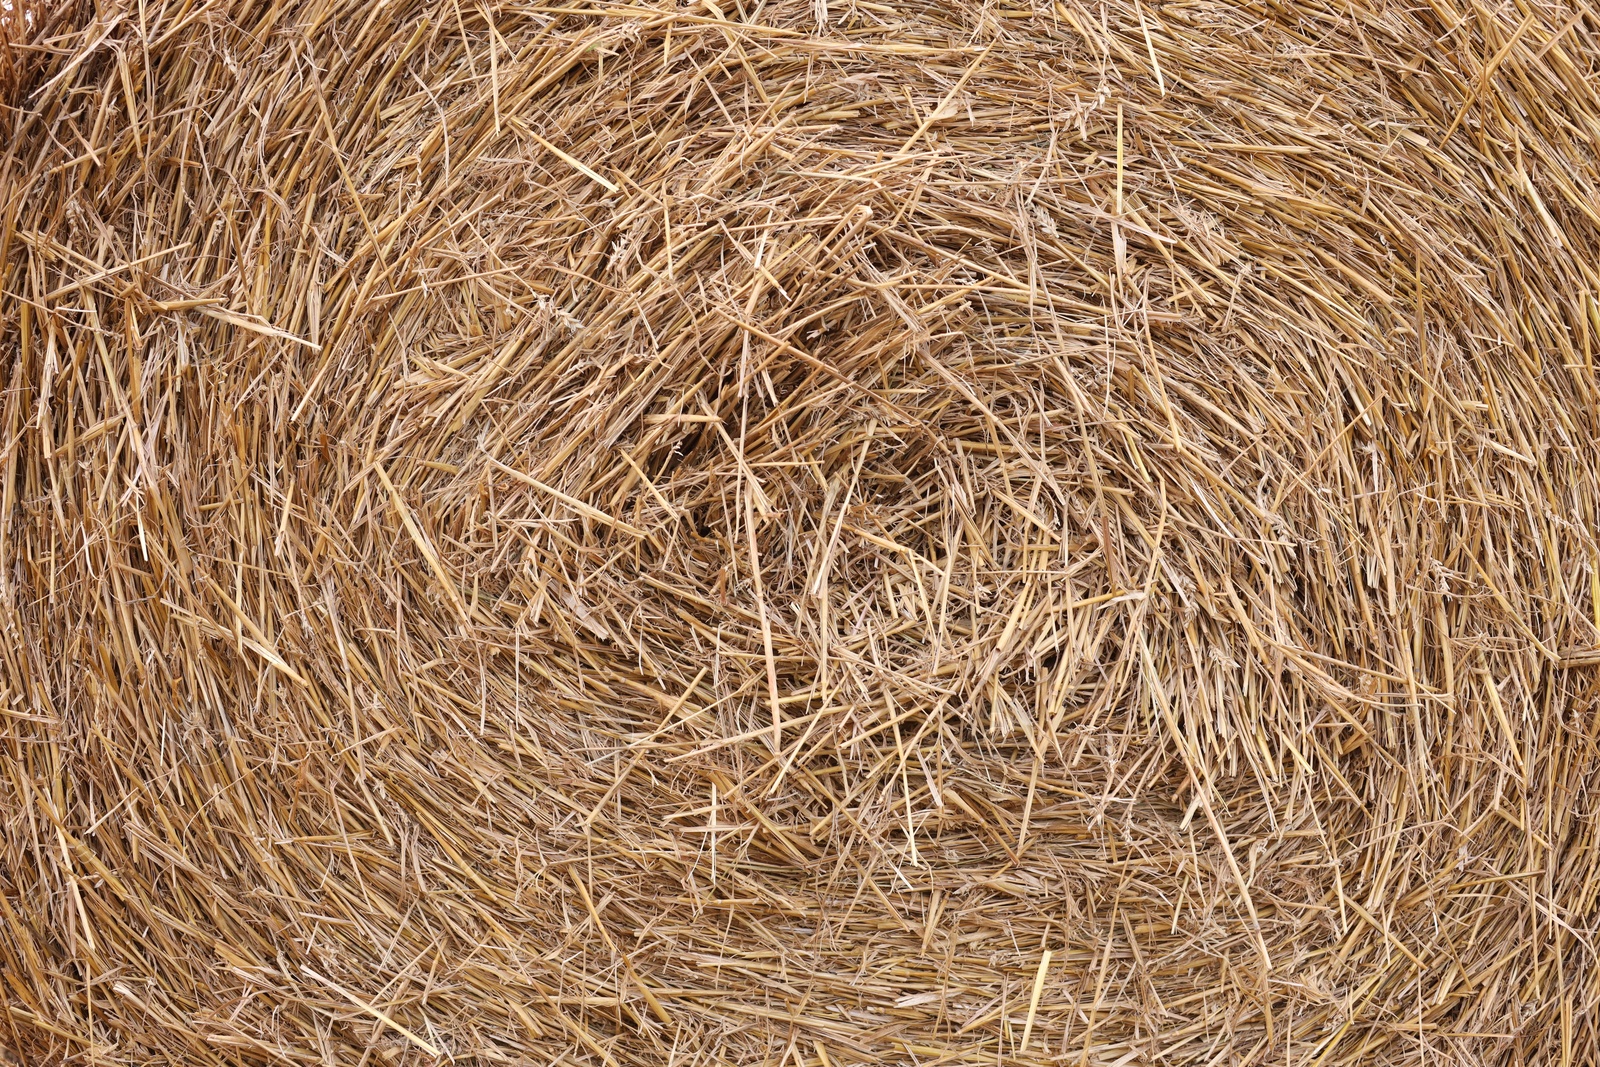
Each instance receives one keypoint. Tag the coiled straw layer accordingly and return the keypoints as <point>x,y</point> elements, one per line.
<point>821,533</point>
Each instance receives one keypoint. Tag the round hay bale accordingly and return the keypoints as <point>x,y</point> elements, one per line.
<point>766,532</point>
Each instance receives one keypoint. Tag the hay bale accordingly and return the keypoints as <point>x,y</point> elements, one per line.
<point>821,532</point>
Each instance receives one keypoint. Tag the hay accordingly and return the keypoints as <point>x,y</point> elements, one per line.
<point>800,532</point>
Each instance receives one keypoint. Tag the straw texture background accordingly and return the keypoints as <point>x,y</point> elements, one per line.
<point>799,532</point>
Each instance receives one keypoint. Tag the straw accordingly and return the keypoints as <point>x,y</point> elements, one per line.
<point>890,532</point>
